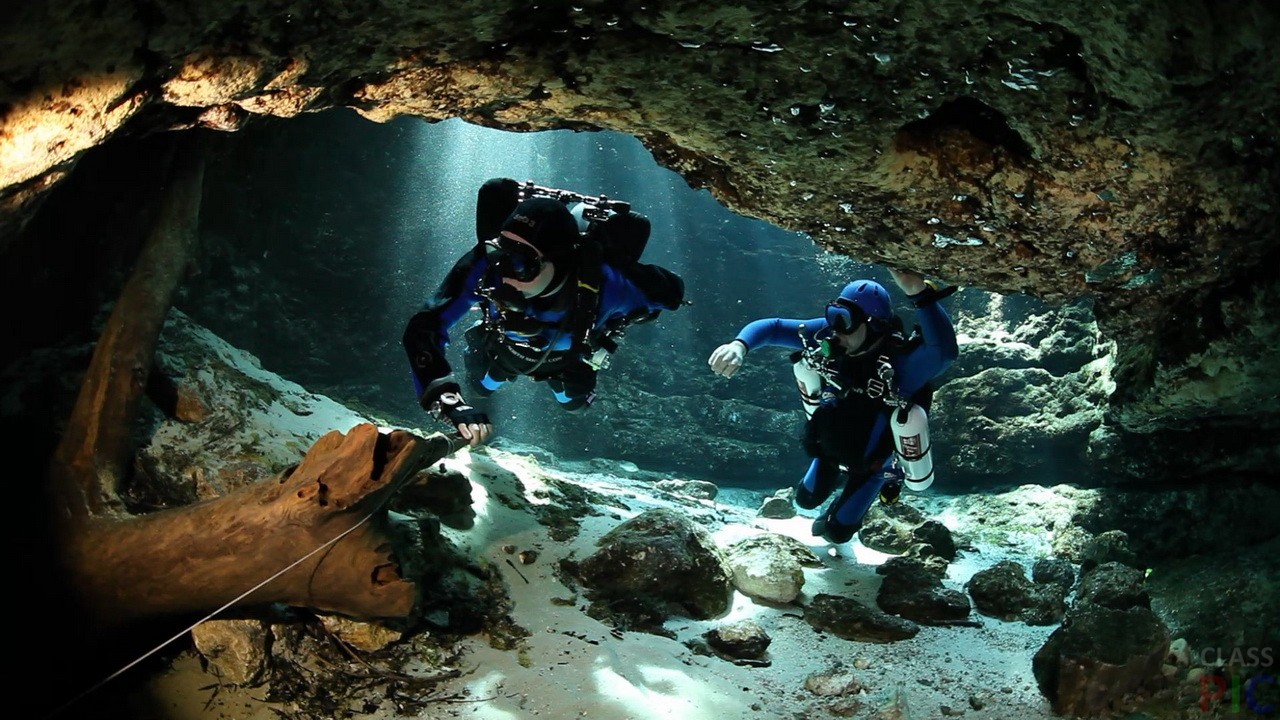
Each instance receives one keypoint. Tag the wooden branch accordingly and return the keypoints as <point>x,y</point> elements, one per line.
<point>95,449</point>
<point>198,558</point>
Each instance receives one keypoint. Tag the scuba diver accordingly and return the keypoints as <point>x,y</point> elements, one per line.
<point>865,387</point>
<point>557,279</point>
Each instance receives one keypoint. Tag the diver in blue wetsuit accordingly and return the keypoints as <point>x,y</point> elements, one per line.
<point>552,301</point>
<point>855,370</point>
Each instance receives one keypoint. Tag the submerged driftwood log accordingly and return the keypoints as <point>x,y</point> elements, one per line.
<point>197,558</point>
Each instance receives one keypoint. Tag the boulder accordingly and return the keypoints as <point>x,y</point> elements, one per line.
<point>744,639</point>
<point>1099,656</point>
<point>659,563</point>
<point>849,619</point>
<point>766,568</point>
<point>913,589</point>
<point>235,650</point>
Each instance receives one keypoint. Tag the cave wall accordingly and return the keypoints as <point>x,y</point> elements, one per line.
<point>1122,152</point>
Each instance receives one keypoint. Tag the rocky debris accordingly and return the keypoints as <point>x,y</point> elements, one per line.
<point>1110,647</point>
<point>923,552</point>
<point>768,567</point>
<point>1003,591</point>
<point>657,564</point>
<point>235,650</point>
<point>840,691</point>
<point>1069,542</point>
<point>849,619</point>
<point>697,489</point>
<point>913,589</point>
<point>1048,607</point>
<point>366,636</point>
<point>318,675</point>
<point>1099,657</point>
<point>779,506</point>
<point>443,492</point>
<point>832,684</point>
<point>741,640</point>
<point>1114,585</point>
<point>318,663</point>
<point>1110,546</point>
<point>1053,571</point>
<point>938,537</point>
<point>565,506</point>
<point>1179,653</point>
<point>890,528</point>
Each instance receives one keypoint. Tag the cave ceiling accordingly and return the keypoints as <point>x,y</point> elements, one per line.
<point>1121,152</point>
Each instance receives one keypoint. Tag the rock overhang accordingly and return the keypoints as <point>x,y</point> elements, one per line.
<point>1124,154</point>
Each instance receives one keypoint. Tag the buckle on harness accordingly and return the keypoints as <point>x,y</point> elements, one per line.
<point>884,382</point>
<point>598,360</point>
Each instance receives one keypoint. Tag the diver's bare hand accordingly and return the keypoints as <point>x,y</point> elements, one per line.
<point>728,358</point>
<point>472,424</point>
<point>475,433</point>
<point>910,282</point>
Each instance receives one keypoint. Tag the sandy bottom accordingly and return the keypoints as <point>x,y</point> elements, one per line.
<point>575,667</point>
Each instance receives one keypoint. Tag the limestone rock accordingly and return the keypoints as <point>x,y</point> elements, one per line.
<point>1003,591</point>
<point>1189,519</point>
<point>236,650</point>
<point>851,620</point>
<point>1120,153</point>
<point>832,684</point>
<point>1098,656</point>
<point>890,528</point>
<point>1243,578</point>
<point>446,493</point>
<point>777,508</point>
<point>765,568</point>
<point>367,636</point>
<point>937,536</point>
<point>1114,585</point>
<point>659,563</point>
<point>1107,547</point>
<point>744,639</point>
<point>913,589</point>
<point>1053,571</point>
<point>699,489</point>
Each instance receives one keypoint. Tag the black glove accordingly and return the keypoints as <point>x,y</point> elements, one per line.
<point>891,490</point>
<point>932,293</point>
<point>446,403</point>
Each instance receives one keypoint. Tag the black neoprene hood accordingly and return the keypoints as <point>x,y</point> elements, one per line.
<point>545,224</point>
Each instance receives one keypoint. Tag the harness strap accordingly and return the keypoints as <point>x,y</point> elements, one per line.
<point>590,281</point>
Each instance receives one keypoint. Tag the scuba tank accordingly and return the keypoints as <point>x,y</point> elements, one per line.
<point>910,425</point>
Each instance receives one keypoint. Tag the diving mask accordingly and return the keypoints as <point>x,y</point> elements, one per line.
<point>512,259</point>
